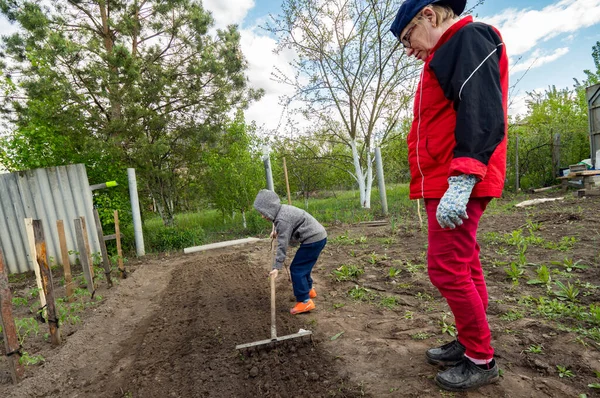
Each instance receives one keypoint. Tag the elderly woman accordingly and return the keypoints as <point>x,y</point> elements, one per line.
<point>457,157</point>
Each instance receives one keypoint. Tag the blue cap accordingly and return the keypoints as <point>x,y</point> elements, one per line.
<point>410,8</point>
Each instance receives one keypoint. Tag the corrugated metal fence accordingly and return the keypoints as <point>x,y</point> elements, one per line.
<point>51,194</point>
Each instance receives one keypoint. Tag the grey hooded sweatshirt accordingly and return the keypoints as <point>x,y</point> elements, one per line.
<point>291,223</point>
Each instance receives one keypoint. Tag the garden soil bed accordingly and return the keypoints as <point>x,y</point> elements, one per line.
<point>170,329</point>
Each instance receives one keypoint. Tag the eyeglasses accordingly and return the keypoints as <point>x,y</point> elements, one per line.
<point>405,40</point>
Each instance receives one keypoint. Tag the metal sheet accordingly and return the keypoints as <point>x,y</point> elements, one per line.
<point>50,194</point>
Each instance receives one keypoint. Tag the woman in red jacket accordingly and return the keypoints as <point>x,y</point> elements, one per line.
<point>457,157</point>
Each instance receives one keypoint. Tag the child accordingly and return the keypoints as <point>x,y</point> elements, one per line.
<point>292,225</point>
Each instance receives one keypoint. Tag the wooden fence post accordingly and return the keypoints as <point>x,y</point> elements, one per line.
<point>83,257</point>
<point>36,266</point>
<point>64,254</point>
<point>9,330</point>
<point>40,250</point>
<point>105,260</point>
<point>88,250</point>
<point>119,252</point>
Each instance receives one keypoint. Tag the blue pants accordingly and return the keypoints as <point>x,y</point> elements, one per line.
<point>302,266</point>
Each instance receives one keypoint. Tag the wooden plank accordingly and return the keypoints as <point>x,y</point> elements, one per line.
<point>47,284</point>
<point>105,260</point>
<point>83,257</point>
<point>112,236</point>
<point>119,252</point>
<point>9,330</point>
<point>64,254</point>
<point>36,266</point>
<point>88,250</point>
<point>219,245</point>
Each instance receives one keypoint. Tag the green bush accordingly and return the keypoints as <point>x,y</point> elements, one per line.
<point>172,238</point>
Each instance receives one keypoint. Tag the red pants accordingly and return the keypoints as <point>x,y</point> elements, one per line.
<point>454,268</point>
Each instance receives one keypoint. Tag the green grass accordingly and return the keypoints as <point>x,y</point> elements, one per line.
<point>208,226</point>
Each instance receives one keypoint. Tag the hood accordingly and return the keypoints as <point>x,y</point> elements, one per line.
<point>267,203</point>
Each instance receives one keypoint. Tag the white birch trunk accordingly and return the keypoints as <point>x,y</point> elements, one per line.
<point>364,179</point>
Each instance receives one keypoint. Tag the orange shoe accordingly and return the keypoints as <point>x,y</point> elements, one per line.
<point>301,307</point>
<point>312,293</point>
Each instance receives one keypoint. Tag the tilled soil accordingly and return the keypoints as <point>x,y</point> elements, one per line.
<point>170,329</point>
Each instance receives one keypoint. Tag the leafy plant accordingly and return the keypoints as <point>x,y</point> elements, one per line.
<point>569,292</point>
<point>564,372</point>
<point>512,315</point>
<point>389,302</point>
<point>27,359</point>
<point>414,268</point>
<point>535,349</point>
<point>447,327</point>
<point>19,301</point>
<point>514,272</point>
<point>394,272</point>
<point>26,327</point>
<point>543,276</point>
<point>569,265</point>
<point>347,272</point>
<point>361,294</point>
<point>420,336</point>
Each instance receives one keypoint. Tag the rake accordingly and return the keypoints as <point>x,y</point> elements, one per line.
<point>274,338</point>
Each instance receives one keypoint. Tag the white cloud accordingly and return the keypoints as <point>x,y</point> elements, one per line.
<point>262,62</point>
<point>536,59</point>
<point>524,29</point>
<point>228,12</point>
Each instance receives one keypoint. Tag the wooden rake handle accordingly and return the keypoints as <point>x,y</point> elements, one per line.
<point>272,277</point>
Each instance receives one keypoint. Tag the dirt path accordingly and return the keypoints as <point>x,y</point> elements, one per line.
<point>170,329</point>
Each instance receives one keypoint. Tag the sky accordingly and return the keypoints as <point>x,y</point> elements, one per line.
<point>549,42</point>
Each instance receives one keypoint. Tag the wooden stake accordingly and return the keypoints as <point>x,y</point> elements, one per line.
<point>36,266</point>
<point>287,183</point>
<point>42,259</point>
<point>105,260</point>
<point>64,254</point>
<point>9,330</point>
<point>119,252</point>
<point>83,257</point>
<point>88,250</point>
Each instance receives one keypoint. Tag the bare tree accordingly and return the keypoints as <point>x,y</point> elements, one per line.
<point>351,78</point>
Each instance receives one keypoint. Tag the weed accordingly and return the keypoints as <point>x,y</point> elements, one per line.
<point>543,277</point>
<point>414,268</point>
<point>393,272</point>
<point>361,294</point>
<point>564,372</point>
<point>512,315</point>
<point>26,327</point>
<point>569,292</point>
<point>347,272</point>
<point>408,315</point>
<point>19,301</point>
<point>389,302</point>
<point>424,296</point>
<point>338,305</point>
<point>27,359</point>
<point>420,336</point>
<point>344,239</point>
<point>569,265</point>
<point>389,241</point>
<point>447,327</point>
<point>535,349</point>
<point>514,272</point>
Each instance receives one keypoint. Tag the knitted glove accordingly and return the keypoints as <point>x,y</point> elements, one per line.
<point>453,205</point>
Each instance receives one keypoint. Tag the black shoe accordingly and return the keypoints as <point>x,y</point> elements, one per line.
<point>466,376</point>
<point>447,355</point>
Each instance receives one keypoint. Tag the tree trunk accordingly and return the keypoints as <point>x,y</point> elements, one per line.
<point>365,180</point>
<point>244,219</point>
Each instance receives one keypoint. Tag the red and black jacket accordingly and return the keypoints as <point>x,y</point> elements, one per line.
<point>460,113</point>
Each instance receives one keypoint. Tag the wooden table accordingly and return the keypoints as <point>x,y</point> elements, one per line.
<point>587,180</point>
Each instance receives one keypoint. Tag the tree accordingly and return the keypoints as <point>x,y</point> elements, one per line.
<point>234,173</point>
<point>351,78</point>
<point>137,83</point>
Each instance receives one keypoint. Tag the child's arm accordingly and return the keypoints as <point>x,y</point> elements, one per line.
<point>283,231</point>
